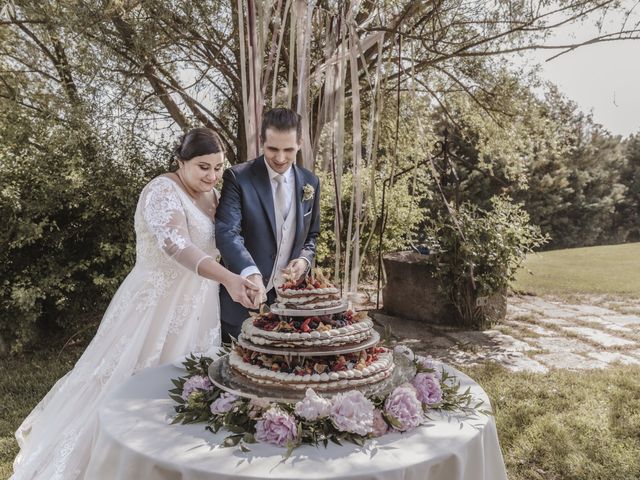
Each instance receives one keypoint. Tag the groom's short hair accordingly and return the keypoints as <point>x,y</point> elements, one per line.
<point>282,120</point>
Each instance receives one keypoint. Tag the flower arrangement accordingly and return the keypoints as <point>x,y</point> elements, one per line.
<point>347,416</point>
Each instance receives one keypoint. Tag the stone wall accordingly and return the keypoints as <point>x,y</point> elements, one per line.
<point>412,292</point>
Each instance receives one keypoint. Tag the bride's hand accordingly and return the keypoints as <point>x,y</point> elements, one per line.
<point>242,291</point>
<point>259,296</point>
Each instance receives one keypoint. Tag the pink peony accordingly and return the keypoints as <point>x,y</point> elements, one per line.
<point>403,408</point>
<point>197,382</point>
<point>427,388</point>
<point>431,364</point>
<point>352,412</point>
<point>276,427</point>
<point>313,407</point>
<point>380,426</point>
<point>224,403</point>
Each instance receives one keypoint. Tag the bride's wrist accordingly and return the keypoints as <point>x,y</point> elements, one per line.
<point>228,278</point>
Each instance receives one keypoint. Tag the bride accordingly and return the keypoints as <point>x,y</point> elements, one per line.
<point>165,308</point>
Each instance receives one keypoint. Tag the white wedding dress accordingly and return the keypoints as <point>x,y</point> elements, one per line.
<point>163,310</point>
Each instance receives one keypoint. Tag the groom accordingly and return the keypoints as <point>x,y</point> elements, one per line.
<point>268,218</point>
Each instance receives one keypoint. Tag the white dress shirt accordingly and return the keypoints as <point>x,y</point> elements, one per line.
<point>289,185</point>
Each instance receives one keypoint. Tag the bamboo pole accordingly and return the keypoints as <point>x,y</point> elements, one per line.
<point>303,34</point>
<point>339,128</point>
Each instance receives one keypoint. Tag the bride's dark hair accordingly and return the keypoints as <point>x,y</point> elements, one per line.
<point>194,143</point>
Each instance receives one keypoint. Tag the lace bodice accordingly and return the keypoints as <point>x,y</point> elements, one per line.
<point>171,228</point>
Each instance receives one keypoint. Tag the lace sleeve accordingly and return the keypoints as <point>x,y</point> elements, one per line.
<point>163,212</point>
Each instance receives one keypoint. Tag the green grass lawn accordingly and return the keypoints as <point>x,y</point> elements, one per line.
<point>566,425</point>
<point>24,380</point>
<point>610,269</point>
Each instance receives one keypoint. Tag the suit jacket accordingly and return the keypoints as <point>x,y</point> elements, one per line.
<point>246,225</point>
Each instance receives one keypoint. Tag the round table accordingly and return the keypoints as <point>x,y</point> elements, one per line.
<point>136,440</point>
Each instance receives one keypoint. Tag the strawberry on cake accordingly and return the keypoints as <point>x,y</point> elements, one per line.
<point>319,372</point>
<point>304,331</point>
<point>313,293</point>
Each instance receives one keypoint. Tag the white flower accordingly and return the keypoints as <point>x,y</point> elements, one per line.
<point>313,407</point>
<point>308,192</point>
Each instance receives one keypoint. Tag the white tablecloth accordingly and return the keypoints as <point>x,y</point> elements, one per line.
<point>136,441</point>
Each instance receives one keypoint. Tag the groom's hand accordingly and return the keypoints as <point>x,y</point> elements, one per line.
<point>298,268</point>
<point>260,295</point>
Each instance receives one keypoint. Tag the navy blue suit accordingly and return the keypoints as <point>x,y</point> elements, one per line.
<point>246,228</point>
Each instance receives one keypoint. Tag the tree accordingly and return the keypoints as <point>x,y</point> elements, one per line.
<point>628,210</point>
<point>123,74</point>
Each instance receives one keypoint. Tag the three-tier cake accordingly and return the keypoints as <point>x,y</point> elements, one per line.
<point>310,339</point>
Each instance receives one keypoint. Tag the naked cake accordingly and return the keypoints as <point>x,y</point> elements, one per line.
<point>308,347</point>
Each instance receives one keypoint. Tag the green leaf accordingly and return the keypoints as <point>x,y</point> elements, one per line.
<point>235,428</point>
<point>392,421</point>
<point>231,441</point>
<point>179,384</point>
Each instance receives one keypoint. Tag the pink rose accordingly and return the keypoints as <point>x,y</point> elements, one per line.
<point>197,382</point>
<point>276,427</point>
<point>224,403</point>
<point>403,408</point>
<point>427,388</point>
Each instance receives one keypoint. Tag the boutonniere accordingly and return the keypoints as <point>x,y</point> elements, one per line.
<point>308,192</point>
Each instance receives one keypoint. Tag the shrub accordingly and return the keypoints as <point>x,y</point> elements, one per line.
<point>68,240</point>
<point>479,251</point>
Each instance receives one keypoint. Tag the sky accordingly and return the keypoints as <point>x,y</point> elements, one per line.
<point>602,78</point>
